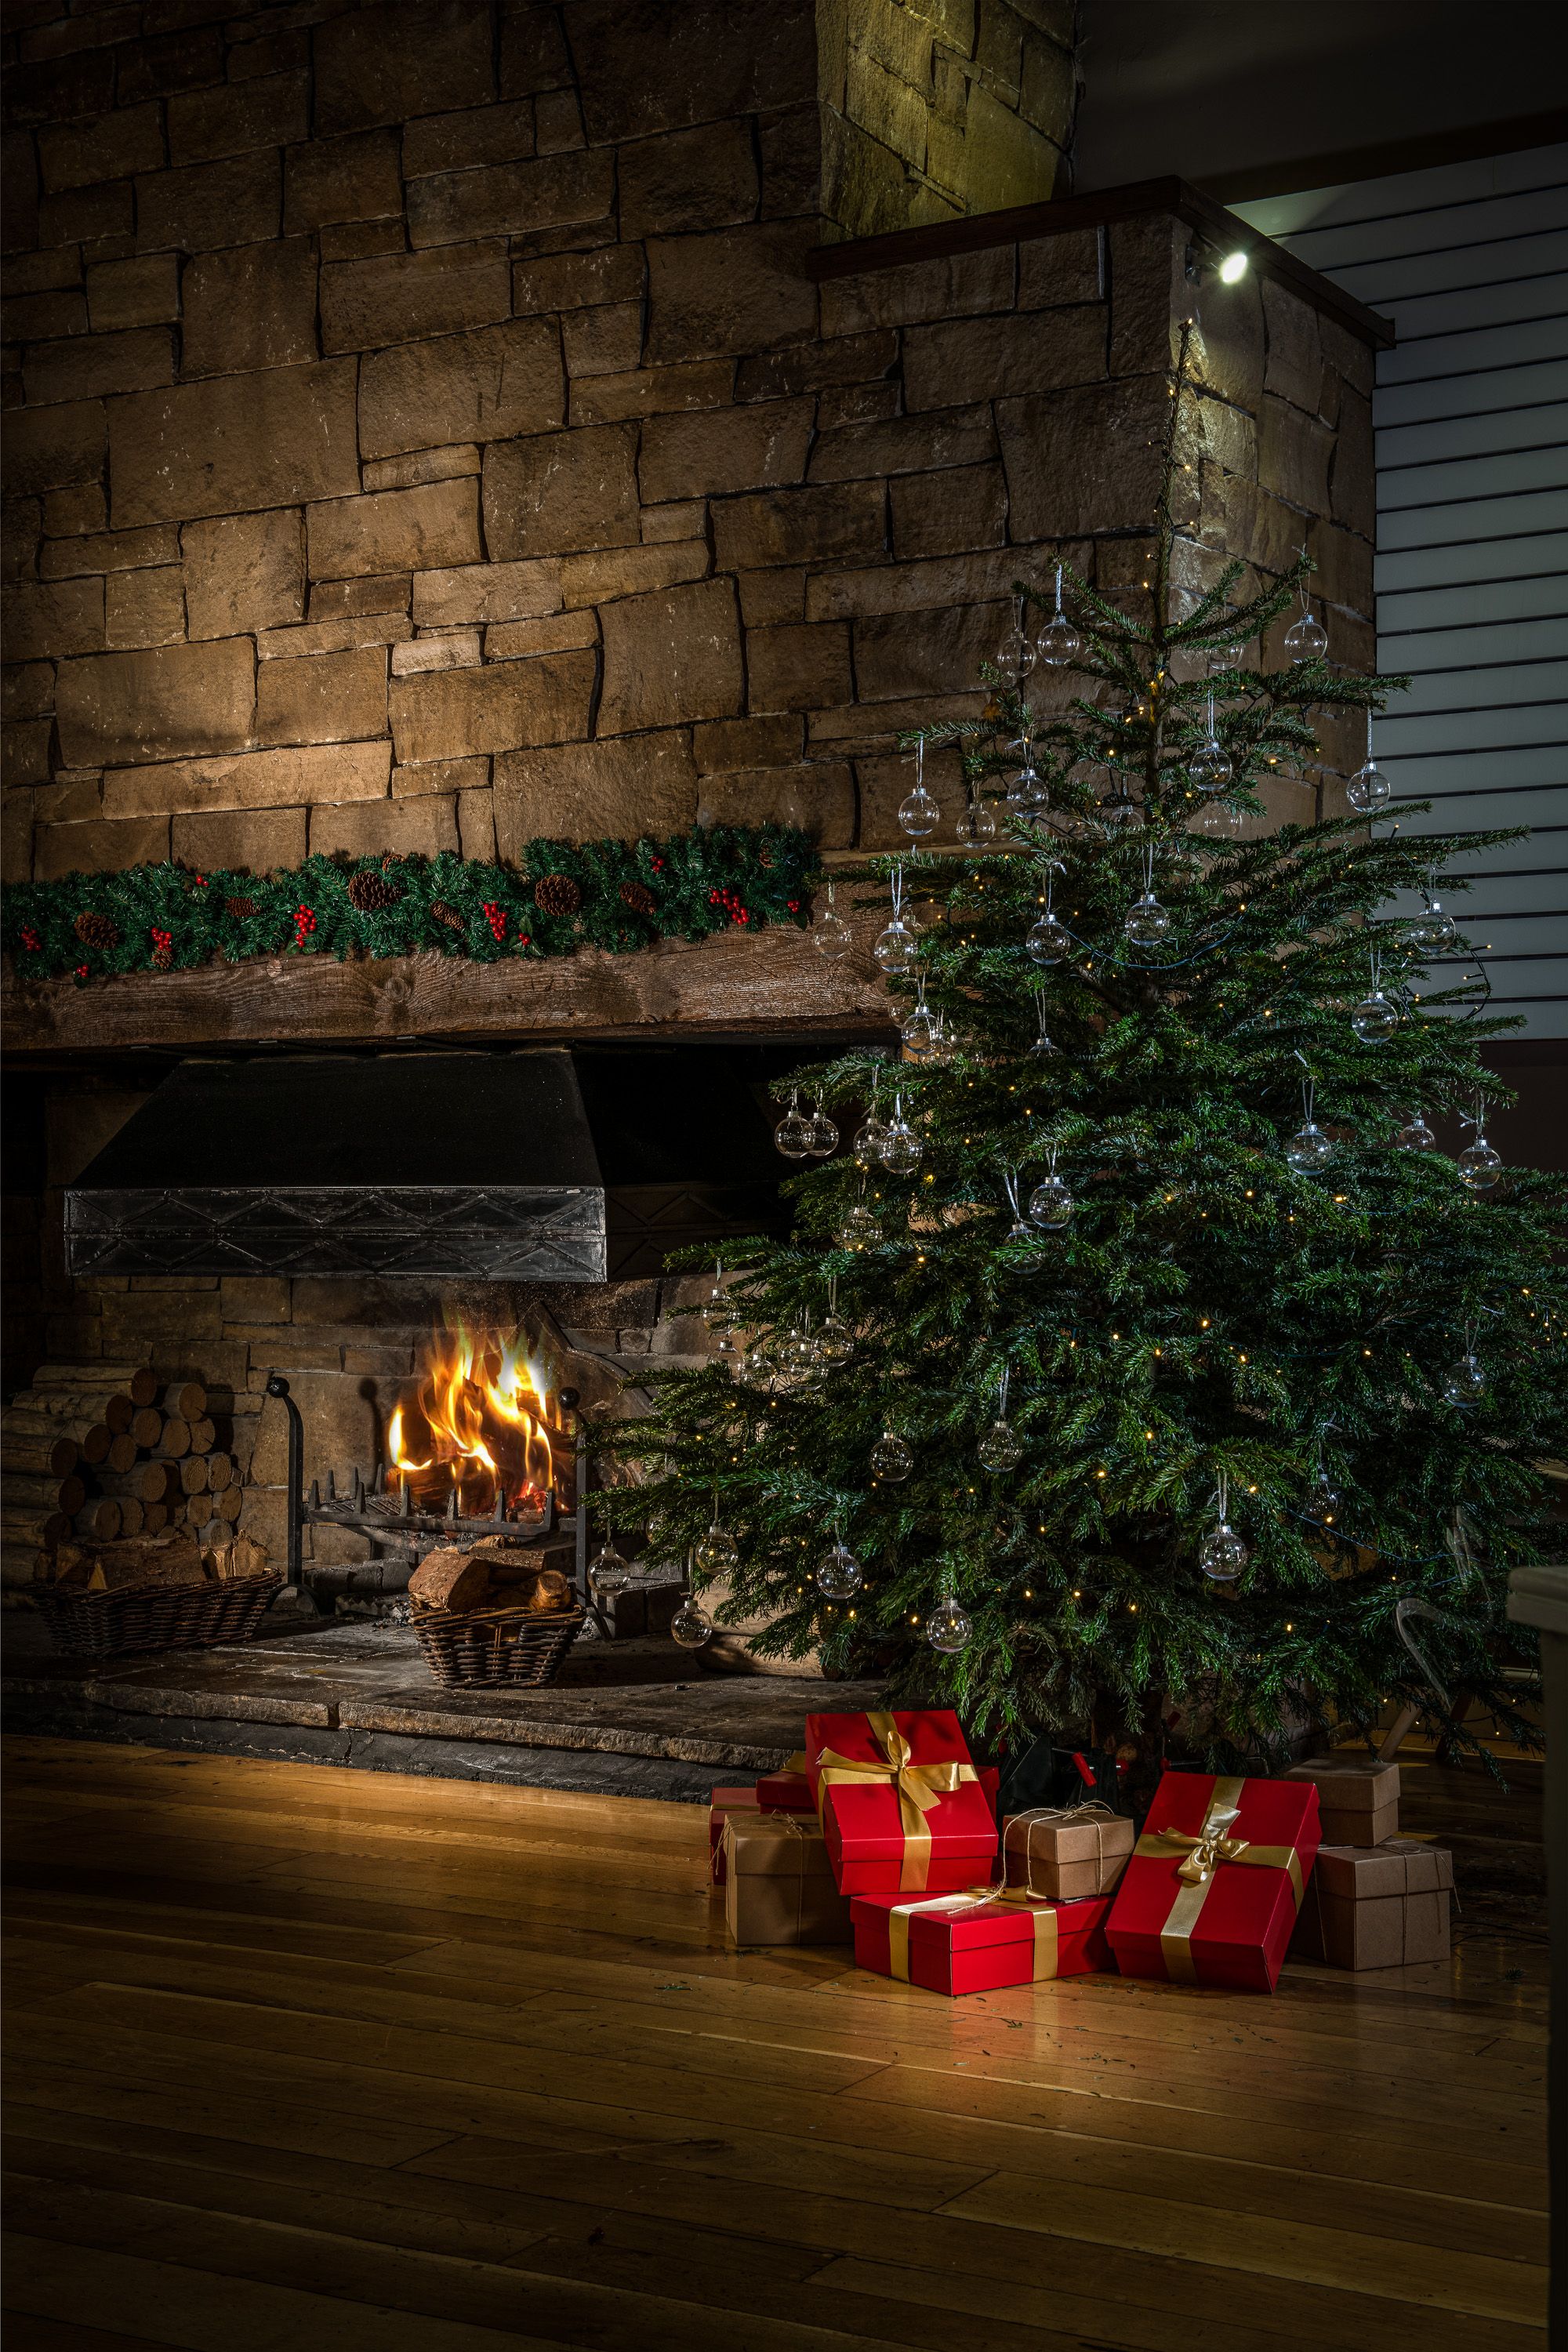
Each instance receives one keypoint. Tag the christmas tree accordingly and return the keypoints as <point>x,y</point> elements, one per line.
<point>1142,1368</point>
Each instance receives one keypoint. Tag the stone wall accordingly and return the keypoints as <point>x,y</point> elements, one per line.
<point>424,431</point>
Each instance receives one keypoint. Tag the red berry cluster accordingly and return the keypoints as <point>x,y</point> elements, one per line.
<point>162,948</point>
<point>81,972</point>
<point>304,924</point>
<point>731,904</point>
<point>30,938</point>
<point>658,864</point>
<point>495,917</point>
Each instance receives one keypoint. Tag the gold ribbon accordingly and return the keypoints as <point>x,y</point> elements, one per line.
<point>1093,1814</point>
<point>1198,1863</point>
<point>955,1905</point>
<point>918,1787</point>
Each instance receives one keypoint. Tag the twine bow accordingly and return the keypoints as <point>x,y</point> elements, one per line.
<point>1093,1814</point>
<point>919,1788</point>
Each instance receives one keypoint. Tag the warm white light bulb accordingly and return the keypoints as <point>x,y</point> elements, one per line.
<point>1232,268</point>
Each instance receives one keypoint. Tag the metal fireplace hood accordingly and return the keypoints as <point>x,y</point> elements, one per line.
<point>535,1166</point>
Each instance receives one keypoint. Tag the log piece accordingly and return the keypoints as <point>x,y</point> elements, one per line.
<point>235,1555</point>
<point>203,1435</point>
<point>29,1491</point>
<point>92,1438</point>
<point>111,1405</point>
<point>147,1426</point>
<point>229,1503</point>
<point>450,1578</point>
<point>220,1473</point>
<point>98,1521</point>
<point>121,1455</point>
<point>109,1567</point>
<point>154,1519</point>
<point>156,1481</point>
<point>140,1381</point>
<point>47,1457</point>
<point>132,1516</point>
<point>186,1399</point>
<point>42,1529</point>
<point>176,1438</point>
<point>194,1475</point>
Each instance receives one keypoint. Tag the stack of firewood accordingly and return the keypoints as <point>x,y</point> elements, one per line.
<point>494,1574</point>
<point>97,1453</point>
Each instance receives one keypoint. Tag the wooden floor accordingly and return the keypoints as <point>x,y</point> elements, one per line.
<point>311,2058</point>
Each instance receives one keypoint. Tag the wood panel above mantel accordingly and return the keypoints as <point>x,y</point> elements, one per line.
<point>752,985</point>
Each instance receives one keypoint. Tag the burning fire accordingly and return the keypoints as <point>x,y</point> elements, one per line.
<point>481,1425</point>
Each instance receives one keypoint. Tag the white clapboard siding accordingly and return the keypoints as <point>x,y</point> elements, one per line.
<point>1470,262</point>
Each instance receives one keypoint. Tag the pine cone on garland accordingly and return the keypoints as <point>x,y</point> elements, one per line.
<point>239,907</point>
<point>370,894</point>
<point>96,931</point>
<point>557,894</point>
<point>638,898</point>
<point>441,913</point>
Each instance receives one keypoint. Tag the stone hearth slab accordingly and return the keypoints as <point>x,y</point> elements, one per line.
<point>640,1717</point>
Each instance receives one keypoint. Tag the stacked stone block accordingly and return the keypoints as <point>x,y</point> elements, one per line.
<point>424,431</point>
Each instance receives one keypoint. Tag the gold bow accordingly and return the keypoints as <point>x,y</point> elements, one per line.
<point>955,1905</point>
<point>1200,1858</point>
<point>918,1787</point>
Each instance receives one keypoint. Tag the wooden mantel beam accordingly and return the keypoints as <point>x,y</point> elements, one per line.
<point>760,985</point>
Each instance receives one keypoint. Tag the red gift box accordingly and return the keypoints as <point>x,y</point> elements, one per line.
<point>900,1803</point>
<point>1215,1883</point>
<point>957,1944</point>
<point>788,1791</point>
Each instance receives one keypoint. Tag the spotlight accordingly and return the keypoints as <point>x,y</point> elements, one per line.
<point>1232,268</point>
<point>1206,261</point>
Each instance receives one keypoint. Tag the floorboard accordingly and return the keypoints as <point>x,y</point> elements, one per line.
<point>297,2057</point>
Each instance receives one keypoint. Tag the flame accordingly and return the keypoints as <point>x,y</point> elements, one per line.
<point>480,1423</point>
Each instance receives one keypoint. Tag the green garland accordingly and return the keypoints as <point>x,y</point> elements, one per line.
<point>618,894</point>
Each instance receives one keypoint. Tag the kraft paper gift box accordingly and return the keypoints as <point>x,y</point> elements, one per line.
<point>778,1882</point>
<point>900,1801</point>
<point>721,1803</point>
<point>1358,1798</point>
<point>1211,1892</point>
<point>1385,1907</point>
<point>977,1941</point>
<point>1066,1853</point>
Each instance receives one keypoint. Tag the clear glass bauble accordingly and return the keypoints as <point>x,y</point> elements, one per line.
<point>950,1628</point>
<point>869,1141</point>
<point>718,1554</point>
<point>1369,790</point>
<point>999,1449</point>
<point>1016,653</point>
<point>799,1364</point>
<point>1048,941</point>
<point>1120,811</point>
<point>1322,1503</point>
<point>1147,924</point>
<point>1306,638</point>
<point>1051,1205</point>
<point>716,1306</point>
<point>690,1626</point>
<point>839,1574</point>
<point>1464,1381</point>
<point>1416,1135</point>
<point>918,813</point>
<point>1027,789</point>
<point>977,823</point>
<point>1045,1048</point>
<point>1479,1166</point>
<point>894,946</point>
<point>1222,1555</point>
<point>1308,1148</point>
<point>892,1460</point>
<point>918,1029</point>
<point>1219,818</point>
<point>791,1134</point>
<point>836,1341</point>
<point>609,1573</point>
<point>821,1135</point>
<point>1375,1019</point>
<point>1229,655</point>
<point>1059,643</point>
<point>1209,769</point>
<point>759,1365</point>
<point>832,934</point>
<point>942,1048</point>
<point>1019,1232</point>
<point>901,1149</point>
<point>729,1349</point>
<point>1434,929</point>
<point>859,1229</point>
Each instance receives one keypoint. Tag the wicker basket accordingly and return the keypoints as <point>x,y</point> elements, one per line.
<point>155,1616</point>
<point>521,1649</point>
